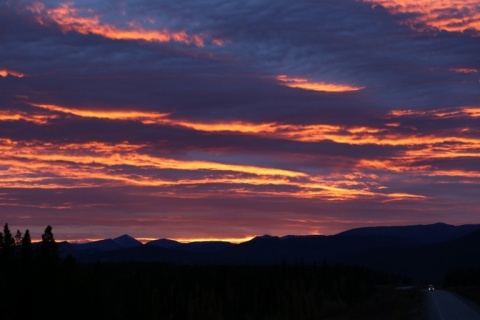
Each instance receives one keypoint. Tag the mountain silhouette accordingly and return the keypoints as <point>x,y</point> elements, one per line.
<point>438,232</point>
<point>421,252</point>
<point>163,243</point>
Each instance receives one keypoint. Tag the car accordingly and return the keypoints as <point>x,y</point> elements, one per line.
<point>431,287</point>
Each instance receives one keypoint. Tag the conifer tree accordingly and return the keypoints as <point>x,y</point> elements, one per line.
<point>48,252</point>
<point>18,238</point>
<point>7,245</point>
<point>26,240</point>
<point>27,245</point>
<point>47,237</point>
<point>8,240</point>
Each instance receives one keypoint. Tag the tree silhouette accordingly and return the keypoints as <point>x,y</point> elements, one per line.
<point>27,246</point>
<point>48,251</point>
<point>18,238</point>
<point>27,240</point>
<point>7,242</point>
<point>47,236</point>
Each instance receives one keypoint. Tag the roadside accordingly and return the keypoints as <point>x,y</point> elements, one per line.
<point>471,293</point>
<point>389,303</point>
<point>448,305</point>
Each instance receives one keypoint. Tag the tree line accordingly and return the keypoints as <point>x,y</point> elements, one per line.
<point>35,281</point>
<point>19,248</point>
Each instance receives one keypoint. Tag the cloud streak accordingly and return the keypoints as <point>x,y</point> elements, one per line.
<point>10,73</point>
<point>451,16</point>
<point>305,84</point>
<point>69,18</point>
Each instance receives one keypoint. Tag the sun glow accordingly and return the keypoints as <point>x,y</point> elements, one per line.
<point>231,240</point>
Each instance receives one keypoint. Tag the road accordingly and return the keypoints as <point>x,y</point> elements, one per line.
<point>444,305</point>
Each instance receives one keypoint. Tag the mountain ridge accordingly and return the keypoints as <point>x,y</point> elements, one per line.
<point>404,253</point>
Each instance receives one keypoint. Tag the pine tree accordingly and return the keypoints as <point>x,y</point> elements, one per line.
<point>27,246</point>
<point>47,236</point>
<point>7,244</point>
<point>48,252</point>
<point>8,240</point>
<point>18,238</point>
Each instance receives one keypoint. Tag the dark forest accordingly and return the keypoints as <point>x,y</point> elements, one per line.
<point>36,281</point>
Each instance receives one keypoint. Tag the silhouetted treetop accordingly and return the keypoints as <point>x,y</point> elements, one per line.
<point>47,236</point>
<point>27,245</point>
<point>26,240</point>
<point>18,238</point>
<point>8,240</point>
<point>48,250</point>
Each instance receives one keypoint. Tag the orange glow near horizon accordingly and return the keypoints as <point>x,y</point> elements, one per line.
<point>448,15</point>
<point>231,240</point>
<point>181,240</point>
<point>69,19</point>
<point>304,83</point>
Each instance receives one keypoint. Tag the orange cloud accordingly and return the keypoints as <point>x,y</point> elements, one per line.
<point>473,112</point>
<point>70,18</point>
<point>13,115</point>
<point>5,73</point>
<point>86,165</point>
<point>88,162</point>
<point>303,83</point>
<point>144,117</point>
<point>448,15</point>
<point>302,133</point>
<point>464,70</point>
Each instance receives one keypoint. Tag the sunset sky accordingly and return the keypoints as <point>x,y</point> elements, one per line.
<point>224,119</point>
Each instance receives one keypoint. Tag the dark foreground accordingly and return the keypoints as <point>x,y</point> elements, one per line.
<point>444,305</point>
<point>161,291</point>
<point>390,303</point>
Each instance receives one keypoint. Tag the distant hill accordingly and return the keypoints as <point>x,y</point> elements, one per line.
<point>428,262</point>
<point>197,246</point>
<point>420,252</point>
<point>163,243</point>
<point>85,251</point>
<point>430,233</point>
